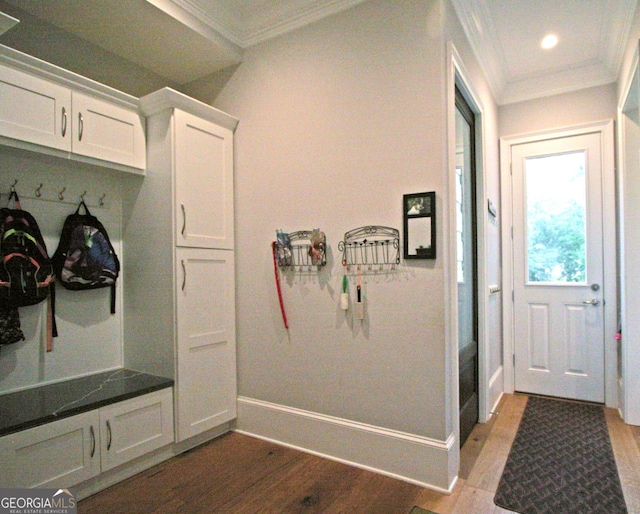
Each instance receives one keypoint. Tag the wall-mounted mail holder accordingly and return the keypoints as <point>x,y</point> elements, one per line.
<point>304,249</point>
<point>373,248</point>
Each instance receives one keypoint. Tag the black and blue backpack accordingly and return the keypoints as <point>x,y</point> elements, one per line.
<point>85,258</point>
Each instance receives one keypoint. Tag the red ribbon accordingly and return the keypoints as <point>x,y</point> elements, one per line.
<point>275,270</point>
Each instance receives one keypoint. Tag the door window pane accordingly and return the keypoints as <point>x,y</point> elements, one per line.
<point>556,218</point>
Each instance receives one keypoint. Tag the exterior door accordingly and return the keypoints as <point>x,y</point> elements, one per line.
<point>558,267</point>
<point>466,257</point>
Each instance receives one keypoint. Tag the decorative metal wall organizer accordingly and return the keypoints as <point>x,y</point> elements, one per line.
<point>372,247</point>
<point>301,249</point>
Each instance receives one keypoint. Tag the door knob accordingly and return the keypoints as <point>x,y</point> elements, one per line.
<point>593,302</point>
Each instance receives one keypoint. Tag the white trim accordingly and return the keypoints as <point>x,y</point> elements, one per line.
<point>628,389</point>
<point>460,76</point>
<point>496,388</point>
<point>606,130</point>
<point>415,459</point>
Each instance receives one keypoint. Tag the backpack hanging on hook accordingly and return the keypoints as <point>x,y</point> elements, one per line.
<point>26,272</point>
<point>85,258</point>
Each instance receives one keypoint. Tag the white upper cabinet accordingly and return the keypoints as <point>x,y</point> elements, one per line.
<point>106,131</point>
<point>34,110</point>
<point>204,183</point>
<point>49,110</point>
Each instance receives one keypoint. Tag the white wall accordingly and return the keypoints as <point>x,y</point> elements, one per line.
<point>89,338</point>
<point>568,109</point>
<point>338,121</point>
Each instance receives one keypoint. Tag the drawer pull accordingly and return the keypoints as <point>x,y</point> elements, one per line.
<point>93,441</point>
<point>109,440</point>
<point>64,122</point>
<point>80,126</point>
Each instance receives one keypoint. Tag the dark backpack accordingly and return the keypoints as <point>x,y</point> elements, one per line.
<point>85,258</point>
<point>26,272</point>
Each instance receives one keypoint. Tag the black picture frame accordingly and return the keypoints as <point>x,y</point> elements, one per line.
<point>419,214</point>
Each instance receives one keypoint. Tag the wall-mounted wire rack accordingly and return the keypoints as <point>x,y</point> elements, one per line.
<point>372,247</point>
<point>304,249</point>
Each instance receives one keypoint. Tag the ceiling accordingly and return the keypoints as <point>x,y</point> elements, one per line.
<point>199,37</point>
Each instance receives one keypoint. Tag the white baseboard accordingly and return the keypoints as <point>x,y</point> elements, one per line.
<point>419,460</point>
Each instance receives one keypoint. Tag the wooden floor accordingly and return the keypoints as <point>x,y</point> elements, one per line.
<point>240,474</point>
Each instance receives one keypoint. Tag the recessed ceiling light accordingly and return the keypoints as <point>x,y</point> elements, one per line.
<point>549,41</point>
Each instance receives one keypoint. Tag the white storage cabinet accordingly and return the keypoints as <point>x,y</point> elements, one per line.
<point>67,452</point>
<point>50,110</point>
<point>183,232</point>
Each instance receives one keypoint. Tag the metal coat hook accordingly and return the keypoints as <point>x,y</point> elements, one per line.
<point>82,196</point>
<point>60,197</point>
<point>13,186</point>
<point>38,192</point>
<point>101,201</point>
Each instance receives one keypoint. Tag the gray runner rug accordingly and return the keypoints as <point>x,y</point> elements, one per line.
<point>561,461</point>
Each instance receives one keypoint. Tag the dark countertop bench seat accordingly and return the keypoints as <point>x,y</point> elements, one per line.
<point>43,404</point>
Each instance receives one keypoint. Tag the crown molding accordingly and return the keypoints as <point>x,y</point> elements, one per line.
<point>477,24</point>
<point>282,16</point>
<point>591,74</point>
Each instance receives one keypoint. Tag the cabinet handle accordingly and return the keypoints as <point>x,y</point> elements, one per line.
<point>184,219</point>
<point>93,441</point>
<point>80,126</point>
<point>108,435</point>
<point>64,122</point>
<point>184,274</point>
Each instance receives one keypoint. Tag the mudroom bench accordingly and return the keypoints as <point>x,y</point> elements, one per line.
<point>66,433</point>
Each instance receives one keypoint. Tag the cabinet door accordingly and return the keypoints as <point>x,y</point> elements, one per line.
<point>58,454</point>
<point>34,110</point>
<point>107,132</point>
<point>135,427</point>
<point>206,349</point>
<point>204,183</point>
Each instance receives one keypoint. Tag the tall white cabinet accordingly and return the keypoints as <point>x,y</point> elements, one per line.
<point>179,312</point>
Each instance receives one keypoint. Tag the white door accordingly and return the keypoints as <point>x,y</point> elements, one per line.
<point>34,110</point>
<point>206,354</point>
<point>106,131</point>
<point>558,267</point>
<point>204,183</point>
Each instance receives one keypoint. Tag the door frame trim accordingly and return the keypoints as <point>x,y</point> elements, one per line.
<point>606,131</point>
<point>459,75</point>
